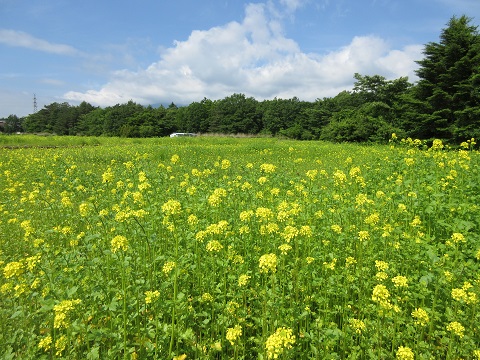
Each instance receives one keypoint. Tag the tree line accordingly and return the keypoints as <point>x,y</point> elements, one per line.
<point>444,103</point>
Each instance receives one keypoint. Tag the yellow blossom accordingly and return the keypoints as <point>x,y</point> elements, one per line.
<point>456,328</point>
<point>60,345</point>
<point>400,281</point>
<point>45,343</point>
<point>310,259</point>
<point>357,325</point>
<point>268,263</point>
<point>363,235</point>
<point>214,246</point>
<point>168,266</point>
<point>268,168</point>
<point>349,261</point>
<point>243,279</point>
<point>180,357</point>
<point>171,207</point>
<point>276,343</point>
<point>206,297</point>
<point>14,268</point>
<point>381,295</point>
<point>404,353</point>
<point>233,334</point>
<point>285,248</point>
<point>457,237</point>
<point>420,316</point>
<point>62,312</point>
<point>381,265</point>
<point>151,296</point>
<point>119,242</point>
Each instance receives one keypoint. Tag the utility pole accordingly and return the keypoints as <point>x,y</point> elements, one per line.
<point>34,103</point>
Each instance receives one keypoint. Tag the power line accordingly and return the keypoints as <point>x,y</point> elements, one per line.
<point>34,103</point>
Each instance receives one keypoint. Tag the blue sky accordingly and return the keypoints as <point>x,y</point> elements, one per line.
<point>153,51</point>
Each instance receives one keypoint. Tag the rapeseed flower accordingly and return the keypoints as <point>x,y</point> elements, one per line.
<point>349,261</point>
<point>214,246</point>
<point>404,353</point>
<point>151,296</point>
<point>381,295</point>
<point>171,207</point>
<point>206,297</point>
<point>381,265</point>
<point>276,343</point>
<point>243,279</point>
<point>285,248</point>
<point>268,263</point>
<point>457,237</point>
<point>420,316</point>
<point>357,325</point>
<point>168,267</point>
<point>400,281</point>
<point>456,328</point>
<point>107,176</point>
<point>233,334</point>
<point>268,168</point>
<point>363,235</point>
<point>62,311</point>
<point>119,242</point>
<point>45,343</point>
<point>289,232</point>
<point>14,268</point>
<point>60,345</point>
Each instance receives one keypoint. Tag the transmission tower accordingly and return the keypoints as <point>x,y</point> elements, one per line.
<point>34,103</point>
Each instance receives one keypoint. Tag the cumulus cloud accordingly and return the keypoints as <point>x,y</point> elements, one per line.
<point>252,57</point>
<point>22,39</point>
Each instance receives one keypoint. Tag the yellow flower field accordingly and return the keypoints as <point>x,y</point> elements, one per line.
<point>223,248</point>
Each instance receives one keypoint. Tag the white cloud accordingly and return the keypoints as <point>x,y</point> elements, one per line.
<point>22,39</point>
<point>252,57</point>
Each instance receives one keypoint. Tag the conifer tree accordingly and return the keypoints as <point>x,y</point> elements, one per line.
<point>448,86</point>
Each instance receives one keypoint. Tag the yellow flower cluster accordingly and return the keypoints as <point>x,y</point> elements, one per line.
<point>285,248</point>
<point>216,197</point>
<point>171,207</point>
<point>243,279</point>
<point>14,268</point>
<point>382,296</point>
<point>404,353</point>
<point>462,294</point>
<point>400,281</point>
<point>276,343</point>
<point>62,310</point>
<point>233,334</point>
<point>457,238</point>
<point>456,328</point>
<point>357,325</point>
<point>214,246</point>
<point>119,242</point>
<point>289,233</point>
<point>151,296</point>
<point>268,168</point>
<point>420,316</point>
<point>263,213</point>
<point>268,263</point>
<point>168,266</point>
<point>45,343</point>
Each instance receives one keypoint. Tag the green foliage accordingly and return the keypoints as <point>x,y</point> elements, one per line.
<point>448,84</point>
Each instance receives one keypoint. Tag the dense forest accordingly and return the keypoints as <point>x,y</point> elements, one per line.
<point>444,103</point>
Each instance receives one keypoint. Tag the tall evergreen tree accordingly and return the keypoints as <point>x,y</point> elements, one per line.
<point>447,89</point>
